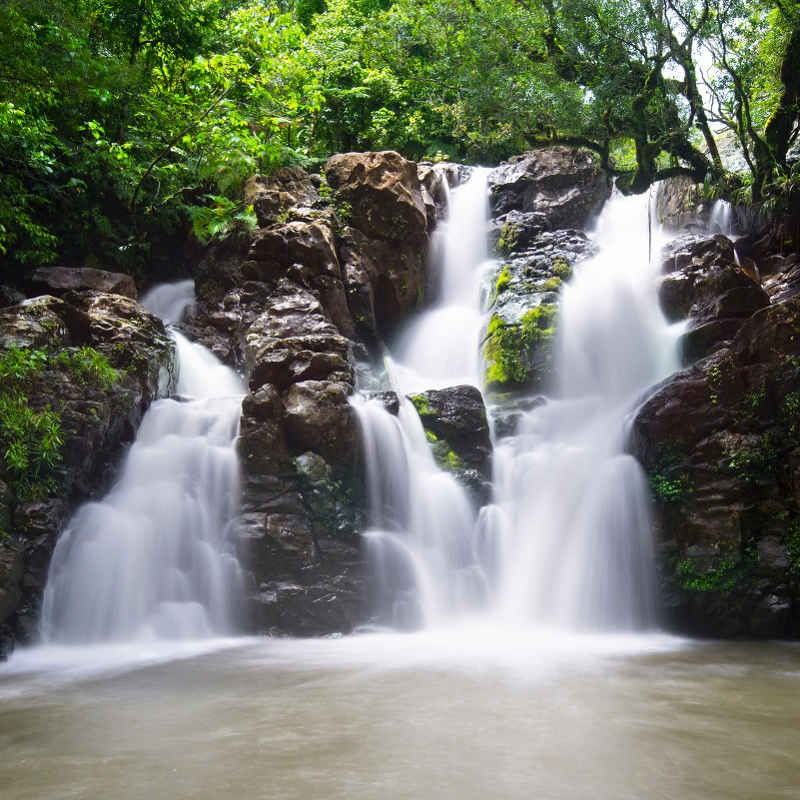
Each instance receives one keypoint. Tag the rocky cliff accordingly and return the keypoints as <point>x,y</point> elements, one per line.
<point>301,305</point>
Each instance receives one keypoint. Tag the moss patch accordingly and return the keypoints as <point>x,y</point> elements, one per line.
<point>519,354</point>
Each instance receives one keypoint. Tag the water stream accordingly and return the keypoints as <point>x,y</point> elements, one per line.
<point>566,539</point>
<point>150,560</point>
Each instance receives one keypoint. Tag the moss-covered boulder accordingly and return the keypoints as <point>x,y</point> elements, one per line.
<point>523,299</point>
<point>457,429</point>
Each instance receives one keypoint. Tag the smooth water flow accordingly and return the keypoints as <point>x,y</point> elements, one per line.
<point>566,539</point>
<point>440,347</point>
<point>151,560</point>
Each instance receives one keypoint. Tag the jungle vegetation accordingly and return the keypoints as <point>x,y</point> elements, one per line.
<point>122,122</point>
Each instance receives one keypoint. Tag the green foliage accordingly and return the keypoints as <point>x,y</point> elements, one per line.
<point>31,440</point>
<point>89,366</point>
<point>669,480</point>
<point>720,578</point>
<point>754,464</point>
<point>122,122</point>
<point>792,540</point>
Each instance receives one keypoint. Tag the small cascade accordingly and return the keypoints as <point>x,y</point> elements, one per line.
<point>152,560</point>
<point>440,347</point>
<point>722,218</point>
<point>422,557</point>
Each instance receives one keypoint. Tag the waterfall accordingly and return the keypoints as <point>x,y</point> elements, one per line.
<point>566,538</point>
<point>151,559</point>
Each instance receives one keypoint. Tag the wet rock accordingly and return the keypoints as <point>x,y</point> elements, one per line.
<point>523,301</point>
<point>704,284</point>
<point>319,418</point>
<point>58,280</point>
<point>384,249</point>
<point>294,339</point>
<point>457,427</point>
<point>564,184</point>
<point>720,442</point>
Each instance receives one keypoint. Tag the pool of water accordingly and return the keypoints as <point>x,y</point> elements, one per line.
<point>472,713</point>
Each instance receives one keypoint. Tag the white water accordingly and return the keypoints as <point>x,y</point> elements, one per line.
<point>151,560</point>
<point>566,541</point>
<point>440,347</point>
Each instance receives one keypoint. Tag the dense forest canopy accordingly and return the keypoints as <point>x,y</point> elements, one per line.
<point>123,120</point>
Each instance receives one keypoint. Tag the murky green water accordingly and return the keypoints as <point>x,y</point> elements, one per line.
<point>467,715</point>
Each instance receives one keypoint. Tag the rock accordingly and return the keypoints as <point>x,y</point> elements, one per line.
<point>721,444</point>
<point>564,184</point>
<point>274,195</point>
<point>58,280</point>
<point>383,192</point>
<point>705,284</point>
<point>679,204</point>
<point>384,249</point>
<point>319,418</point>
<point>523,301</point>
<point>293,339</point>
<point>456,425</point>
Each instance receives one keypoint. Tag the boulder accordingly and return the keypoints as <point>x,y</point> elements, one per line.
<point>704,283</point>
<point>523,301</point>
<point>274,195</point>
<point>384,249</point>
<point>564,184</point>
<point>457,427</point>
<point>58,280</point>
<point>720,442</point>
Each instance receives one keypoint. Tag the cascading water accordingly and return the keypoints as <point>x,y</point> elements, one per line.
<point>566,539</point>
<point>151,559</point>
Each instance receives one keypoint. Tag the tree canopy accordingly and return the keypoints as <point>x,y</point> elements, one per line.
<point>123,121</point>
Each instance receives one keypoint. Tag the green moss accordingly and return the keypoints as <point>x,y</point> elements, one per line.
<point>552,284</point>
<point>420,403</point>
<point>502,281</point>
<point>508,238</point>
<point>561,268</point>
<point>516,353</point>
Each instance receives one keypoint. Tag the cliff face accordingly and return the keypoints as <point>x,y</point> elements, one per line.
<point>720,441</point>
<point>337,263</point>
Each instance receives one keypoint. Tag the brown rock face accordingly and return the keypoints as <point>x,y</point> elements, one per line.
<point>273,195</point>
<point>384,253</point>
<point>58,280</point>
<point>721,443</point>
